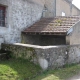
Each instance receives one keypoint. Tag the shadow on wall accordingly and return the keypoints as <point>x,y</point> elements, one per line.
<point>43,40</point>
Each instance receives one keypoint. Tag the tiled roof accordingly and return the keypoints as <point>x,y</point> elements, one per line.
<point>54,26</point>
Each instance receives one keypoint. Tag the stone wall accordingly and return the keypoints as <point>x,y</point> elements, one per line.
<point>46,56</point>
<point>4,31</point>
<point>20,14</point>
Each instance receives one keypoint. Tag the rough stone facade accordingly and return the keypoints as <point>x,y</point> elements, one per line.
<point>46,56</point>
<point>19,15</point>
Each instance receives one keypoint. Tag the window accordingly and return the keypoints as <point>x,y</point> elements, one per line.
<point>2,15</point>
<point>63,14</point>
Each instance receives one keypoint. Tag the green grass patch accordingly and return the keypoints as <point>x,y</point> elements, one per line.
<point>20,69</point>
<point>60,74</point>
<point>17,69</point>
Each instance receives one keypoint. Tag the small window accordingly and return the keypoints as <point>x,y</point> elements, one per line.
<point>63,14</point>
<point>2,15</point>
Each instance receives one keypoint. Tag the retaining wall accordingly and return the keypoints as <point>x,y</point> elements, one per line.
<point>46,56</point>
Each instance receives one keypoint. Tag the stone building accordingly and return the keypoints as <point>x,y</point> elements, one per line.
<point>60,8</point>
<point>17,15</point>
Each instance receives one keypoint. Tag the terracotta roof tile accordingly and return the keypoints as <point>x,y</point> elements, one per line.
<point>53,25</point>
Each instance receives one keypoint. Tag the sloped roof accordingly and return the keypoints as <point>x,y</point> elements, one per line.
<point>52,26</point>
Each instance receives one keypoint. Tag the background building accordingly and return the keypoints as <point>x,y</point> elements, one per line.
<point>60,8</point>
<point>16,15</point>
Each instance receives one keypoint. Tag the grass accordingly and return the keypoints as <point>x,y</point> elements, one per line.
<point>20,69</point>
<point>60,74</point>
<point>17,69</point>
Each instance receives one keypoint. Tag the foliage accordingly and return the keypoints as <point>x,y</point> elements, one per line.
<point>58,22</point>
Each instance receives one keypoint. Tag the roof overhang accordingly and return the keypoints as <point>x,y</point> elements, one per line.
<point>45,33</point>
<point>53,26</point>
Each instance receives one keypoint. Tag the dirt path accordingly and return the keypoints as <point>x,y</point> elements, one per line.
<point>76,77</point>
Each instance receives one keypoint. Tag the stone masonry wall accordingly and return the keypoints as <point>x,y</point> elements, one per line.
<point>20,14</point>
<point>46,56</point>
<point>4,31</point>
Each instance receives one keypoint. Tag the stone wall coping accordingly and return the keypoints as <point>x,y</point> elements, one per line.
<point>43,47</point>
<point>35,46</point>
